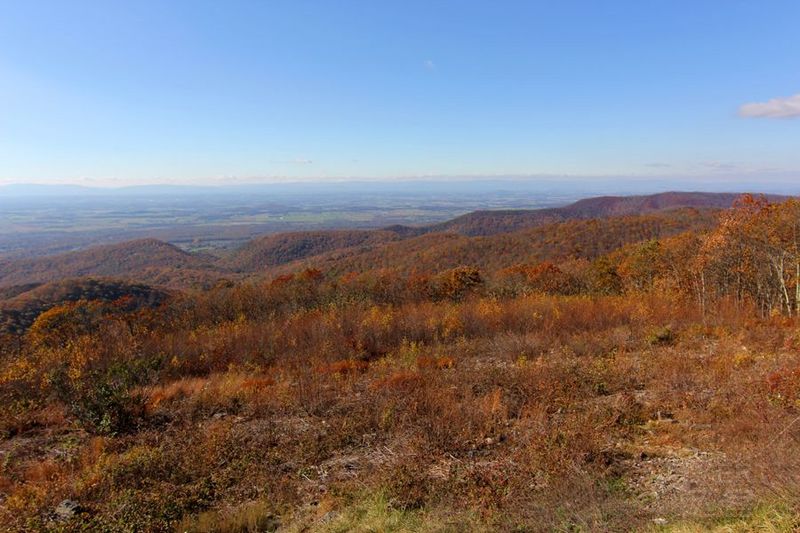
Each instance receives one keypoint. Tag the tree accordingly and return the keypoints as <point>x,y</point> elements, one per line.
<point>602,276</point>
<point>755,254</point>
<point>454,284</point>
<point>642,265</point>
<point>56,326</point>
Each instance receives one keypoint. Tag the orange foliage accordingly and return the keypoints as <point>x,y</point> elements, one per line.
<point>344,367</point>
<point>258,383</point>
<point>402,379</point>
<point>784,386</point>
<point>435,362</point>
<point>41,472</point>
<point>565,373</point>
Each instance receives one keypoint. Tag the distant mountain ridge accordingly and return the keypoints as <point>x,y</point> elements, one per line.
<point>482,223</point>
<point>159,263</point>
<point>568,239</point>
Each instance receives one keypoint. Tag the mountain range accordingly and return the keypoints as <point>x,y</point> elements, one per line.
<point>591,226</point>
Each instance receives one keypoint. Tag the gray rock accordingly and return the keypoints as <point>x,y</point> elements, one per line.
<point>67,509</point>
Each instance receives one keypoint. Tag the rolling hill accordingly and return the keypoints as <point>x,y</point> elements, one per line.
<point>20,310</point>
<point>572,239</point>
<point>503,221</point>
<point>277,249</point>
<point>143,260</point>
<point>361,248</point>
<point>486,239</point>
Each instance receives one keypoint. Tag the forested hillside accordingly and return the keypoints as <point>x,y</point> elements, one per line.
<point>148,260</point>
<point>578,239</point>
<point>156,262</point>
<point>281,248</point>
<point>23,304</point>
<point>629,372</point>
<point>494,222</point>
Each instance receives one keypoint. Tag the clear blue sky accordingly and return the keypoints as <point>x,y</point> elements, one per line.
<point>202,92</point>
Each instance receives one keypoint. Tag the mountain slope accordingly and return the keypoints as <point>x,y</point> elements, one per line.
<point>277,249</point>
<point>20,311</point>
<point>272,251</point>
<point>586,239</point>
<point>431,247</point>
<point>146,259</point>
<point>494,222</point>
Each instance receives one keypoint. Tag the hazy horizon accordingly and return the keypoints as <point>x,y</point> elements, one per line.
<point>583,186</point>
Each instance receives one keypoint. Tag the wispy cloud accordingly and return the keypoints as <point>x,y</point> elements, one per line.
<point>295,161</point>
<point>788,107</point>
<point>739,168</point>
<point>722,166</point>
<point>429,64</point>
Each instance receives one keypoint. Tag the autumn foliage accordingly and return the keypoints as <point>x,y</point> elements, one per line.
<point>558,393</point>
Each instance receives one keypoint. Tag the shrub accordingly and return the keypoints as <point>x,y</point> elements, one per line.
<point>435,362</point>
<point>663,336</point>
<point>102,401</point>
<point>253,517</point>
<point>455,284</point>
<point>344,367</point>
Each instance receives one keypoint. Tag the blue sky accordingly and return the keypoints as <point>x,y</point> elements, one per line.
<point>116,93</point>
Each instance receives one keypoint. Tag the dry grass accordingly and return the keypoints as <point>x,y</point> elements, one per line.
<point>539,412</point>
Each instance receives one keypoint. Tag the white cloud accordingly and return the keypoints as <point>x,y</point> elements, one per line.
<point>788,107</point>
<point>429,64</point>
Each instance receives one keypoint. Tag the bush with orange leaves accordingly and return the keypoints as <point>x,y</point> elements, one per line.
<point>544,277</point>
<point>455,284</point>
<point>783,386</point>
<point>345,367</point>
<point>435,362</point>
<point>398,380</point>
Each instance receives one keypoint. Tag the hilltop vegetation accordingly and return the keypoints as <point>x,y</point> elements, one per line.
<point>494,222</point>
<point>631,372</point>
<point>148,260</point>
<point>533,234</point>
<point>274,250</point>
<point>25,303</point>
<point>578,239</point>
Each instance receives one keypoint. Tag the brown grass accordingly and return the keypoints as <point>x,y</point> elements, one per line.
<point>555,410</point>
